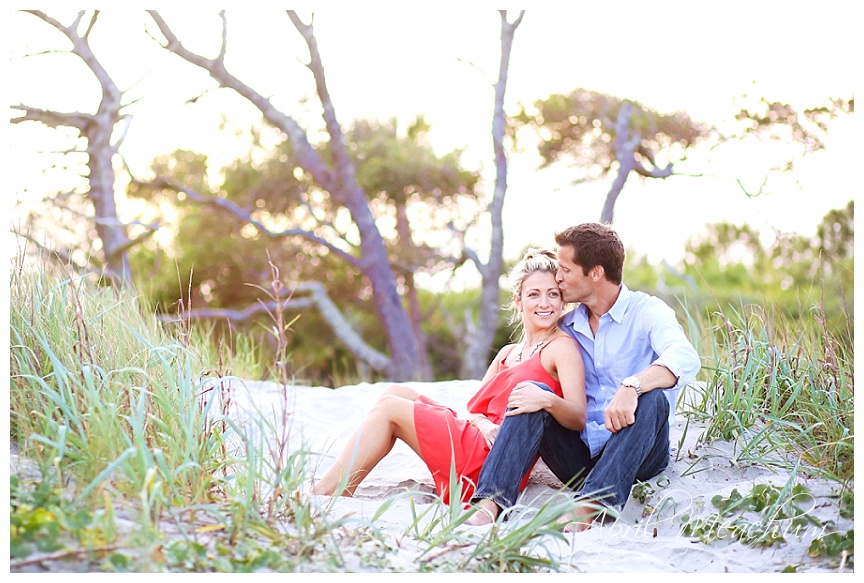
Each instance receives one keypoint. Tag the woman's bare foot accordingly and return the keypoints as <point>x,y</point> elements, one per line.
<point>320,488</point>
<point>487,512</point>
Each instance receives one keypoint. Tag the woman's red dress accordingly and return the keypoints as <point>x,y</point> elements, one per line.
<point>445,440</point>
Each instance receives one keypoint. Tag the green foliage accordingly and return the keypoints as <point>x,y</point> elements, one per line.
<point>116,414</point>
<point>642,491</point>
<point>781,121</point>
<point>793,275</point>
<point>835,544</point>
<point>91,380</point>
<point>838,546</point>
<point>767,514</point>
<point>33,521</point>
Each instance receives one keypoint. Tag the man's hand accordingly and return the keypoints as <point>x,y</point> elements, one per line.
<point>621,411</point>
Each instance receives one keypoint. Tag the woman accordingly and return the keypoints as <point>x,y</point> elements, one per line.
<point>444,440</point>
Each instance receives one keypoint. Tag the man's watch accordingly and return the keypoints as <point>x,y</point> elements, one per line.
<point>633,381</point>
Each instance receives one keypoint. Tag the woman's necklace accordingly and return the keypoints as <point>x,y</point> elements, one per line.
<point>534,350</point>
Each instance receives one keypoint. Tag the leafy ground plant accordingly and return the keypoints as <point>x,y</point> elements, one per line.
<point>766,516</point>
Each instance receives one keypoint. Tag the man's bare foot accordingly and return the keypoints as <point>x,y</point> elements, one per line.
<point>581,517</point>
<point>487,512</point>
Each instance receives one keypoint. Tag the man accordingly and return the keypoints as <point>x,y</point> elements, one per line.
<point>636,357</point>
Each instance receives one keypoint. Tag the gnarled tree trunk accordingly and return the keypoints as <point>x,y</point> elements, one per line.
<point>97,130</point>
<point>479,347</point>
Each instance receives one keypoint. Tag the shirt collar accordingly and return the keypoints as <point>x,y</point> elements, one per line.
<point>619,308</point>
<point>579,318</point>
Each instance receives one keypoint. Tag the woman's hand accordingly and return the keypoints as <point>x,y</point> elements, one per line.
<point>527,398</point>
<point>488,430</point>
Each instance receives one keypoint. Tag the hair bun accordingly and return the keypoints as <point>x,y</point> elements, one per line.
<point>532,253</point>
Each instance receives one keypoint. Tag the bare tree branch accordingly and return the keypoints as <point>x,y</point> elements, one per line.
<point>133,242</point>
<point>756,194</point>
<point>91,25</point>
<point>234,209</point>
<point>653,173</point>
<point>318,297</point>
<point>308,159</point>
<point>53,119</point>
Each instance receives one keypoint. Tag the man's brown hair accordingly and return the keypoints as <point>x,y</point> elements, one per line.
<point>594,244</point>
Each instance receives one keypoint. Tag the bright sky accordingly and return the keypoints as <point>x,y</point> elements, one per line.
<point>442,63</point>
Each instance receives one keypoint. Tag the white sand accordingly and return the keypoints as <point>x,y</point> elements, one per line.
<point>323,419</point>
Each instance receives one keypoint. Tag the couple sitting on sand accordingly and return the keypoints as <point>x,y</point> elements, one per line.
<point>578,391</point>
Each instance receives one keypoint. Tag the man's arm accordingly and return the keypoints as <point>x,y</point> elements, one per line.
<point>677,365</point>
<point>676,353</point>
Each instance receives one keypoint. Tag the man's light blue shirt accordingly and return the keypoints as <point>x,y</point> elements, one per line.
<point>638,331</point>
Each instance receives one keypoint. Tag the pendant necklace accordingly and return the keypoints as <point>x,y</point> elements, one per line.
<point>533,352</point>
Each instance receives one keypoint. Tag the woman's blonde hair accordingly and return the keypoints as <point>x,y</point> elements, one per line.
<point>533,261</point>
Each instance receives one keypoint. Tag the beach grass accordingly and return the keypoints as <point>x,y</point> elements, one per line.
<point>784,394</point>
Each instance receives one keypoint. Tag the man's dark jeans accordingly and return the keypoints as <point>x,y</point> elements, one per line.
<point>638,452</point>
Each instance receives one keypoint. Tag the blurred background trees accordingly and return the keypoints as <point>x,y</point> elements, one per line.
<point>365,207</point>
<point>217,260</point>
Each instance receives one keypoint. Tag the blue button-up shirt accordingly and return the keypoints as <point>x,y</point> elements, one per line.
<point>639,330</point>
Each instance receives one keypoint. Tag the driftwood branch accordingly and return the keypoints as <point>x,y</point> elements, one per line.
<point>349,194</point>
<point>339,180</point>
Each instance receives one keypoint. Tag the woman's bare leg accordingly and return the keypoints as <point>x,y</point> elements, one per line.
<point>392,417</point>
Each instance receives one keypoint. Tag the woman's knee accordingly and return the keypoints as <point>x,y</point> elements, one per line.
<point>403,391</point>
<point>387,402</point>
<point>393,408</point>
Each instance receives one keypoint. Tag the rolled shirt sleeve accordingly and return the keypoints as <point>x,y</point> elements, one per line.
<point>668,340</point>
